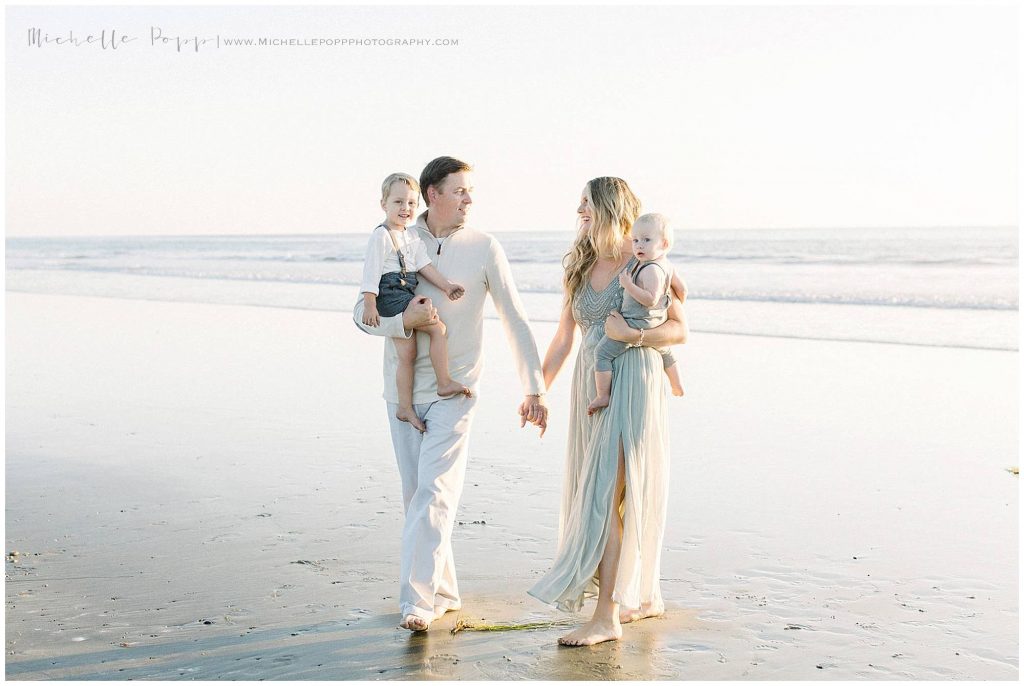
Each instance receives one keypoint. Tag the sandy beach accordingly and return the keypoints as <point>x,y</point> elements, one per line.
<point>198,491</point>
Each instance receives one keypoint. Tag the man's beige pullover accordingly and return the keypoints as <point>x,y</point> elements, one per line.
<point>477,262</point>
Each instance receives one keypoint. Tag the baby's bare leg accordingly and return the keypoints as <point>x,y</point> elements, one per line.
<point>406,349</point>
<point>673,379</point>
<point>439,359</point>
<point>604,354</point>
<point>603,381</point>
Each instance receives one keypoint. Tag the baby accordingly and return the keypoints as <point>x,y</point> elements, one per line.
<point>395,257</point>
<point>644,303</point>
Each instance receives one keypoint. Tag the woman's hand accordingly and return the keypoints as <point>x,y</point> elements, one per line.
<point>534,410</point>
<point>678,286</point>
<point>616,328</point>
<point>370,315</point>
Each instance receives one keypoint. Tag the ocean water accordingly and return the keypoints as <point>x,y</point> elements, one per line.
<point>921,286</point>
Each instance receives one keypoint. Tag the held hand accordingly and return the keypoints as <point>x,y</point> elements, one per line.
<point>370,316</point>
<point>534,410</point>
<point>455,291</point>
<point>419,313</point>
<point>616,328</point>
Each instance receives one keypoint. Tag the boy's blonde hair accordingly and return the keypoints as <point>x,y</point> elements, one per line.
<point>385,187</point>
<point>659,222</point>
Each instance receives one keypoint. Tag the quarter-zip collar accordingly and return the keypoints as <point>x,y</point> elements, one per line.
<point>436,244</point>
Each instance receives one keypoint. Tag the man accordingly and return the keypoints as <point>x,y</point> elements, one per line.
<point>432,465</point>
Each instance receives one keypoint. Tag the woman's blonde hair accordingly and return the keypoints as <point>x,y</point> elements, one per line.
<point>614,208</point>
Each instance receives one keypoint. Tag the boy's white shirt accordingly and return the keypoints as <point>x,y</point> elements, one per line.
<point>476,261</point>
<point>382,258</point>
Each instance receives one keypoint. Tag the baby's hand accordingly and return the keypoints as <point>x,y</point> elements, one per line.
<point>624,279</point>
<point>370,316</point>
<point>455,291</point>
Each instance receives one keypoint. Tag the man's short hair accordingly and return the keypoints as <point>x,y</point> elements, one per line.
<point>437,170</point>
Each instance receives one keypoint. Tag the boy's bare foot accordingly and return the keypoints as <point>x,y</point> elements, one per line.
<point>414,623</point>
<point>627,615</point>
<point>600,402</point>
<point>592,632</point>
<point>451,388</point>
<point>677,390</point>
<point>407,414</point>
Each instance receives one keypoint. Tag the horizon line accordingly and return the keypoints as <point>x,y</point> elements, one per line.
<point>542,230</point>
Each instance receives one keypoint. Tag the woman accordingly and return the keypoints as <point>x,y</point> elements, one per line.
<point>616,483</point>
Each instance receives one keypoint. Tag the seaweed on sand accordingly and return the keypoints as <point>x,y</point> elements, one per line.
<point>463,625</point>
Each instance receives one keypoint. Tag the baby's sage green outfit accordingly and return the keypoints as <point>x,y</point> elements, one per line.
<point>639,316</point>
<point>636,416</point>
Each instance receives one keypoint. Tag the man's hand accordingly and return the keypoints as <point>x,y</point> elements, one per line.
<point>370,315</point>
<point>534,410</point>
<point>419,313</point>
<point>455,291</point>
<point>616,328</point>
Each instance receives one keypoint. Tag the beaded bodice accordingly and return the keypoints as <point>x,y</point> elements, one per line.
<point>591,307</point>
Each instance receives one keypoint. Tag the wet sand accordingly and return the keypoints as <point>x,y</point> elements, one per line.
<point>208,492</point>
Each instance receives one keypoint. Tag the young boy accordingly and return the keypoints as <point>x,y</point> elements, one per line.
<point>395,257</point>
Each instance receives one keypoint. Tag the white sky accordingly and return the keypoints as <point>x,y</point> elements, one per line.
<point>720,117</point>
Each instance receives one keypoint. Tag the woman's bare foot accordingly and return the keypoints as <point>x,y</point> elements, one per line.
<point>407,414</point>
<point>627,615</point>
<point>600,402</point>
<point>592,632</point>
<point>446,390</point>
<point>414,623</point>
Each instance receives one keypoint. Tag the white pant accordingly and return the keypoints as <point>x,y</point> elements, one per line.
<point>433,467</point>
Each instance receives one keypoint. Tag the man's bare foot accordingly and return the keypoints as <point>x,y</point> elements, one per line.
<point>677,391</point>
<point>414,623</point>
<point>407,414</point>
<point>446,390</point>
<point>627,615</point>
<point>600,402</point>
<point>592,632</point>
